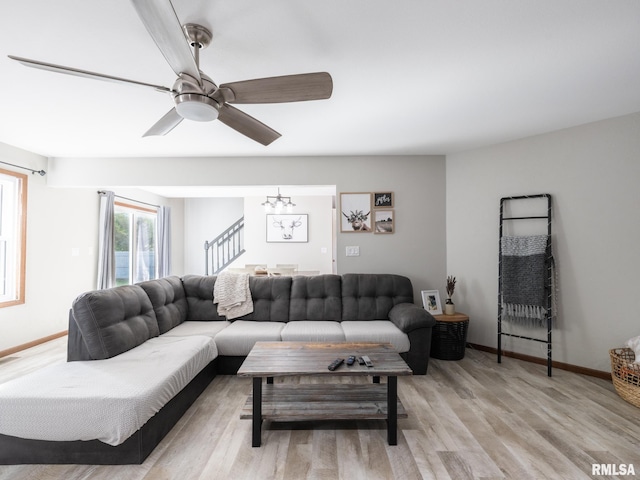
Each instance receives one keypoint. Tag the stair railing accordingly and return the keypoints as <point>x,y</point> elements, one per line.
<point>225,248</point>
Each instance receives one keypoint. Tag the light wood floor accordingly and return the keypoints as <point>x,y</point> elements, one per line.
<point>468,419</point>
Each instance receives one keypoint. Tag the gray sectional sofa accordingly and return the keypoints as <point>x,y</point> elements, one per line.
<point>134,324</point>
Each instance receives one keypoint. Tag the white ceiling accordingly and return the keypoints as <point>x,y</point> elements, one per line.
<point>410,77</point>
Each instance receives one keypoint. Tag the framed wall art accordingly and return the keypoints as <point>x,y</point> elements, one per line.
<point>383,200</point>
<point>431,301</point>
<point>355,212</point>
<point>288,228</point>
<point>383,221</point>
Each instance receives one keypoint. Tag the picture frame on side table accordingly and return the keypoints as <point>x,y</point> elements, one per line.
<point>431,301</point>
<point>355,212</point>
<point>288,228</point>
<point>384,221</point>
<point>383,200</point>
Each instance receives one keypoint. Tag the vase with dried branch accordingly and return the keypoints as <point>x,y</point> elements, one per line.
<point>449,307</point>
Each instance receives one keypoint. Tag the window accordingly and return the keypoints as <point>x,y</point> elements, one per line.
<point>135,244</point>
<point>13,229</point>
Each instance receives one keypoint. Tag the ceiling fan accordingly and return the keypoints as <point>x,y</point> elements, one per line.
<point>195,95</point>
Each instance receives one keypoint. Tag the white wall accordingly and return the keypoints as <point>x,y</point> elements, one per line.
<point>205,219</point>
<point>62,242</point>
<point>308,255</point>
<point>593,174</point>
<point>60,255</point>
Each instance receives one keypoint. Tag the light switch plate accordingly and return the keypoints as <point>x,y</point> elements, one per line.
<point>353,251</point>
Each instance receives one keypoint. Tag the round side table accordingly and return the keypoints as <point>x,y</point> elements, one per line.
<point>449,336</point>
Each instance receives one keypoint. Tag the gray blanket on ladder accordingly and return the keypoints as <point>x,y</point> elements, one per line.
<point>524,279</point>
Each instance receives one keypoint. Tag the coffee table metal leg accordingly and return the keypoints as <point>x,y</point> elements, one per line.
<point>257,412</point>
<point>392,410</point>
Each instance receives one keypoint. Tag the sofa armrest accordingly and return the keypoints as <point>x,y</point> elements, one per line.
<point>408,317</point>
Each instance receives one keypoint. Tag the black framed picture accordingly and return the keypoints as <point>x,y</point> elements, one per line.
<point>383,200</point>
<point>288,228</point>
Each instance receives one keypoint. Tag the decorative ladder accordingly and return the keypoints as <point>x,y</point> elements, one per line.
<point>224,249</point>
<point>545,217</point>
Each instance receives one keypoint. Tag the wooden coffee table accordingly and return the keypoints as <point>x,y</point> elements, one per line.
<point>297,402</point>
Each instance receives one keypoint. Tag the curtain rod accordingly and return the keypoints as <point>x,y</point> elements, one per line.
<point>41,172</point>
<point>102,192</point>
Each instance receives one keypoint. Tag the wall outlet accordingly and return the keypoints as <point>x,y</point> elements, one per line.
<point>353,251</point>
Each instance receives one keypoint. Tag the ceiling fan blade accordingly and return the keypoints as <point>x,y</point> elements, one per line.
<point>83,73</point>
<point>163,25</point>
<point>247,125</point>
<point>167,123</point>
<point>288,88</point>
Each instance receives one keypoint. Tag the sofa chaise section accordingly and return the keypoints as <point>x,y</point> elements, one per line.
<point>121,403</point>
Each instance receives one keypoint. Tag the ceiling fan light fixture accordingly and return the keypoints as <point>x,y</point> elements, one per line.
<point>196,107</point>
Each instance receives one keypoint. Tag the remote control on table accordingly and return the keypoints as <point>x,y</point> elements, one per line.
<point>367,361</point>
<point>350,360</point>
<point>335,364</point>
<point>360,360</point>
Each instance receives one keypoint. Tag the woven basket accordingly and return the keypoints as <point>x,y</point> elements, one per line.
<point>449,339</point>
<point>625,374</point>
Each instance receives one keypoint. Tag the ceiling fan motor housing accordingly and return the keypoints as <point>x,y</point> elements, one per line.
<point>192,99</point>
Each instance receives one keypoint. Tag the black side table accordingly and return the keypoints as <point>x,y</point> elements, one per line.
<point>449,336</point>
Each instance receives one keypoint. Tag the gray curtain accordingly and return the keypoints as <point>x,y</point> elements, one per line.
<point>106,247</point>
<point>163,224</point>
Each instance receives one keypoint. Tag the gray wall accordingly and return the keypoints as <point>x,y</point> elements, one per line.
<point>417,249</point>
<point>593,174</point>
<point>592,171</point>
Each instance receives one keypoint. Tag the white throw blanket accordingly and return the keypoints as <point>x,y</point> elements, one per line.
<point>231,293</point>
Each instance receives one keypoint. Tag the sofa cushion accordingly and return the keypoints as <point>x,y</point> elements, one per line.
<point>316,298</point>
<point>239,337</point>
<point>198,290</point>
<point>107,400</point>
<point>378,331</point>
<point>169,301</point>
<point>188,328</point>
<point>312,331</point>
<point>270,297</point>
<point>371,296</point>
<point>115,320</point>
